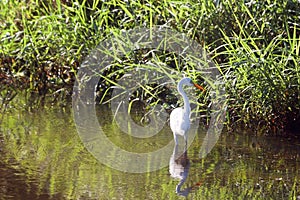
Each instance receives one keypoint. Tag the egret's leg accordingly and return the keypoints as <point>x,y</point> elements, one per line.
<point>175,139</point>
<point>185,139</point>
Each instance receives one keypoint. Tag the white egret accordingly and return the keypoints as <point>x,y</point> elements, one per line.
<point>180,117</point>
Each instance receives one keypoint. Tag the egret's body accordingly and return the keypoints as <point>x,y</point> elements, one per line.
<point>180,117</point>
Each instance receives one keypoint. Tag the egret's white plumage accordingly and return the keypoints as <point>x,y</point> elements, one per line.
<point>180,117</point>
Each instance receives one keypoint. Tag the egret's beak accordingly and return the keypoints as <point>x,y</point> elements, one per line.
<point>199,87</point>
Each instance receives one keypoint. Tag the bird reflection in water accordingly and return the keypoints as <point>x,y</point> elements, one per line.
<point>179,169</point>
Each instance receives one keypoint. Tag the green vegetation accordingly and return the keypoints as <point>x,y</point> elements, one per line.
<point>255,44</point>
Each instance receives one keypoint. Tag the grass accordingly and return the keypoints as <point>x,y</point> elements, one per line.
<point>255,45</point>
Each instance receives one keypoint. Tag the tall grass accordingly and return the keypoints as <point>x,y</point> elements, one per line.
<point>262,70</point>
<point>254,44</point>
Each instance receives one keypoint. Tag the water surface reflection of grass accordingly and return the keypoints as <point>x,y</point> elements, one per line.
<point>42,157</point>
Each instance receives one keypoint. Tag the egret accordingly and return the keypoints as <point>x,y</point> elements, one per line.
<point>180,117</point>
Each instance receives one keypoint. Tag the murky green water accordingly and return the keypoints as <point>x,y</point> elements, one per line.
<point>42,157</point>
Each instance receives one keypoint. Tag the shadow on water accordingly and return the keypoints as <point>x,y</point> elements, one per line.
<point>42,157</point>
<point>13,184</point>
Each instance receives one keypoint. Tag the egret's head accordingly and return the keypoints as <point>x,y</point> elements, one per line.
<point>187,81</point>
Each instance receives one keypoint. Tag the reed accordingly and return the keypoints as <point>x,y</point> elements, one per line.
<point>255,45</point>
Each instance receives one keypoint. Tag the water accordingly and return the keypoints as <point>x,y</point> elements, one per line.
<point>42,157</point>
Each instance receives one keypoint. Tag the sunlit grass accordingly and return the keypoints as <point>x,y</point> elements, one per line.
<point>255,46</point>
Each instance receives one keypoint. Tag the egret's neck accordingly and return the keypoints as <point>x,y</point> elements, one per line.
<point>186,103</point>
